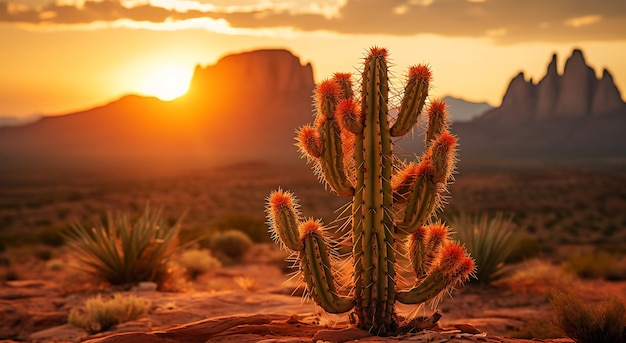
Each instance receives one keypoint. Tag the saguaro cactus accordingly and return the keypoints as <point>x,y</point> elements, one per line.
<point>393,202</point>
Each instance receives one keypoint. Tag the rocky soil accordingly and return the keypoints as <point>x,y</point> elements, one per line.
<point>219,307</point>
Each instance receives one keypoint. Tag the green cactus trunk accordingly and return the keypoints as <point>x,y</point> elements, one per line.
<point>373,214</point>
<point>352,150</point>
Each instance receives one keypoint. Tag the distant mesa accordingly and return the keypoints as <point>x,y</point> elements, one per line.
<point>246,106</point>
<point>577,93</point>
<point>573,115</point>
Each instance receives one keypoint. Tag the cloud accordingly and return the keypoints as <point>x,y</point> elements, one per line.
<point>503,21</point>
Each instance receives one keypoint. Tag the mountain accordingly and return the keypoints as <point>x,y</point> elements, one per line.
<point>461,110</point>
<point>246,106</point>
<point>577,93</point>
<point>563,116</point>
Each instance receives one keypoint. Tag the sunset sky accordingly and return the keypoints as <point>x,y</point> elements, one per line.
<point>58,57</point>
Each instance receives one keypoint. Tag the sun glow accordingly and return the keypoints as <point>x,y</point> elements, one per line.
<point>167,83</point>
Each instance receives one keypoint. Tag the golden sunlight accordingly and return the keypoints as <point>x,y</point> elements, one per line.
<point>167,83</point>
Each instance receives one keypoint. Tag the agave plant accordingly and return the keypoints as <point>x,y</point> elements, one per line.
<point>490,240</point>
<point>125,251</point>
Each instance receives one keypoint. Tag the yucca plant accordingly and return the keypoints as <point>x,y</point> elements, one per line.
<point>490,240</point>
<point>124,251</point>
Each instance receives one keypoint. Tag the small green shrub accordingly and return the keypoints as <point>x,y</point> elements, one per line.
<point>490,241</point>
<point>590,323</point>
<point>125,251</point>
<point>232,243</point>
<point>255,228</point>
<point>101,315</point>
<point>197,262</point>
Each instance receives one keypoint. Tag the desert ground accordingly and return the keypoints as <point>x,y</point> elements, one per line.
<point>573,221</point>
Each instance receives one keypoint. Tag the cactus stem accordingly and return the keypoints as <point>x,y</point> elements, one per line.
<point>351,146</point>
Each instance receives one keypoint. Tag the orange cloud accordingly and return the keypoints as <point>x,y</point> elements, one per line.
<point>504,21</point>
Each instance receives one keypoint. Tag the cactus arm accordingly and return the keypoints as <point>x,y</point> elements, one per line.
<point>316,268</point>
<point>345,84</point>
<point>422,199</point>
<point>451,267</point>
<point>415,93</point>
<point>437,120</point>
<point>331,160</point>
<point>284,219</point>
<point>428,289</point>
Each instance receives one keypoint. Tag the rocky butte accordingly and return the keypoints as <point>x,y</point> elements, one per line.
<point>246,106</point>
<point>574,115</point>
<point>576,93</point>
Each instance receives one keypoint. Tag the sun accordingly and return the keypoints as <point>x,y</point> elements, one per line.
<point>167,83</point>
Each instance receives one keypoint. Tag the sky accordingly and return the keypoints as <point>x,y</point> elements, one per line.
<point>67,55</point>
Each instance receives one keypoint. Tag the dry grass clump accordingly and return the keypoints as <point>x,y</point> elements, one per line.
<point>101,315</point>
<point>590,323</point>
<point>540,327</point>
<point>597,265</point>
<point>197,262</point>
<point>490,241</point>
<point>232,244</point>
<point>124,251</point>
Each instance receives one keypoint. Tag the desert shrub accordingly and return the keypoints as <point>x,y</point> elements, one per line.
<point>489,240</point>
<point>101,315</point>
<point>540,327</point>
<point>232,244</point>
<point>124,251</point>
<point>587,322</point>
<point>597,265</point>
<point>255,228</point>
<point>197,262</point>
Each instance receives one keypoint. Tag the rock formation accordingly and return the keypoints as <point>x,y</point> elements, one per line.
<point>573,117</point>
<point>576,93</point>
<point>279,70</point>
<point>244,107</point>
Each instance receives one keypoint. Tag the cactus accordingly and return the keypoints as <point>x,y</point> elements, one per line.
<point>393,202</point>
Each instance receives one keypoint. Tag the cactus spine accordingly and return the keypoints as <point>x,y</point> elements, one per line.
<point>393,202</point>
